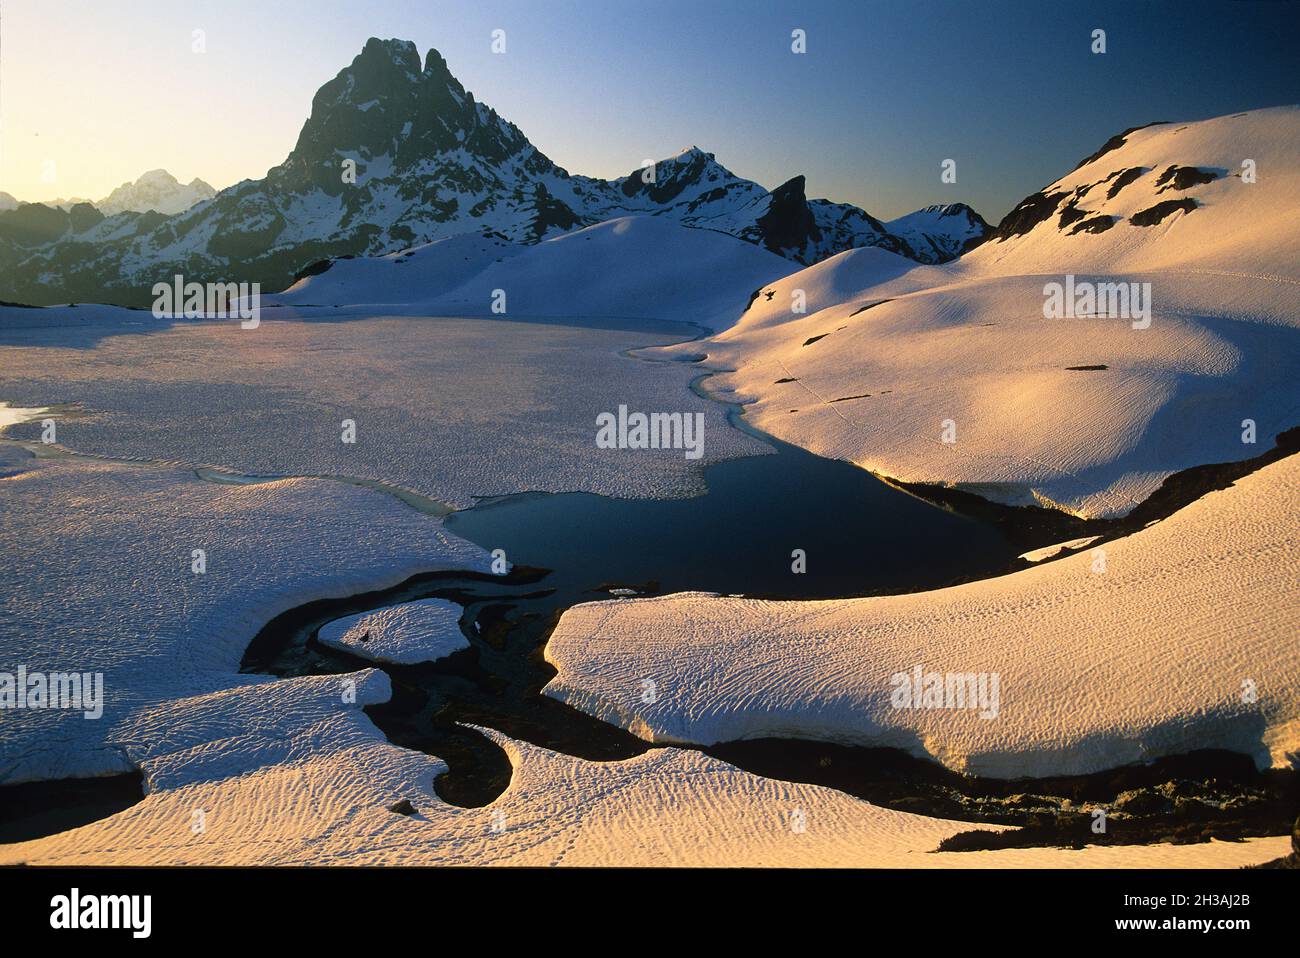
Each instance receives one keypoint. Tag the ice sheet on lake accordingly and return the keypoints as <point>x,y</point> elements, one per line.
<point>404,634</point>
<point>451,409</point>
<point>99,572</point>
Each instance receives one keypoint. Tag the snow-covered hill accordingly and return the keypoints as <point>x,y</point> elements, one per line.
<point>1218,194</point>
<point>677,273</point>
<point>954,375</point>
<point>397,154</point>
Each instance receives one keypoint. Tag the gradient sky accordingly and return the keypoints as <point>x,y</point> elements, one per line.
<point>886,91</point>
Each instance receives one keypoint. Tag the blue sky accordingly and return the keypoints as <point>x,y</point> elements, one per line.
<point>887,90</point>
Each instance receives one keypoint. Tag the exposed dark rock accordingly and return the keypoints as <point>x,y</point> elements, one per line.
<point>1070,213</point>
<point>1095,224</point>
<point>1087,368</point>
<point>1141,802</point>
<point>1123,178</point>
<point>672,178</point>
<point>1031,211</point>
<point>707,197</point>
<point>863,309</point>
<point>404,807</point>
<point>813,339</point>
<point>313,269</point>
<point>1184,177</point>
<point>550,214</point>
<point>1154,214</point>
<point>789,223</point>
<point>1179,799</point>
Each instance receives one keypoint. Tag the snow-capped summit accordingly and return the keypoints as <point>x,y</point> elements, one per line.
<point>941,232</point>
<point>65,203</point>
<point>156,190</point>
<point>396,154</point>
<point>394,118</point>
<point>691,178</point>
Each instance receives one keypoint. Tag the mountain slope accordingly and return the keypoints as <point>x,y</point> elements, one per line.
<point>1164,195</point>
<point>953,375</point>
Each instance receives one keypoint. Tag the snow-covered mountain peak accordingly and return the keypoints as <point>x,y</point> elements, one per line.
<point>940,232</point>
<point>156,191</point>
<point>683,177</point>
<point>396,153</point>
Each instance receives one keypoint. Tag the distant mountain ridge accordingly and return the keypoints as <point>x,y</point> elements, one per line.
<point>940,233</point>
<point>396,153</point>
<point>156,191</point>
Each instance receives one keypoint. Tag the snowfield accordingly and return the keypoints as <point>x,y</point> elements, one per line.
<point>404,634</point>
<point>1186,640</point>
<point>309,783</point>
